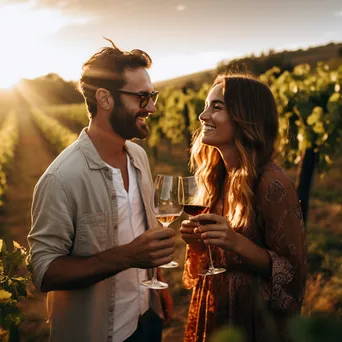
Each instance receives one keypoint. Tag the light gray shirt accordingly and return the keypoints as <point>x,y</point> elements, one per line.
<point>75,212</point>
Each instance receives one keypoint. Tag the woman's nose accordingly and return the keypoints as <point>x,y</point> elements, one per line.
<point>204,115</point>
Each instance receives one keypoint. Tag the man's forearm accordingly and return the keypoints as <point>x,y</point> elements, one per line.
<point>72,272</point>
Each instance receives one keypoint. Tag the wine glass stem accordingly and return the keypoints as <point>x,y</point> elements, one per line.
<point>211,265</point>
<point>154,276</point>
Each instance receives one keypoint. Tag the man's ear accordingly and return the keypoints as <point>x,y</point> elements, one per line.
<point>104,99</point>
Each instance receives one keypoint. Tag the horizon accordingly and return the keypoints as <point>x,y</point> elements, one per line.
<point>182,37</point>
<point>184,75</point>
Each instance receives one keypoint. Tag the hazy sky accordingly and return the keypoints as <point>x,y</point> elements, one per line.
<point>182,36</point>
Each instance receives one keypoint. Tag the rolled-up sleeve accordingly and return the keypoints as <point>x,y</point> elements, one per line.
<point>285,243</point>
<point>52,230</point>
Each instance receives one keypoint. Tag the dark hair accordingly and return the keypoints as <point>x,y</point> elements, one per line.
<point>105,69</point>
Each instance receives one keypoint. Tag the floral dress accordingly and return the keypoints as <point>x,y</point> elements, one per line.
<point>239,297</point>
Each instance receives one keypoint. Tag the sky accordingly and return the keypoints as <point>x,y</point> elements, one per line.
<point>182,36</point>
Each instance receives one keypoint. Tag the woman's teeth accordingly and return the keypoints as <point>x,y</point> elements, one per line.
<point>208,128</point>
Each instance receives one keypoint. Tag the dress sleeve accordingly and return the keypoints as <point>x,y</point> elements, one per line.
<point>285,242</point>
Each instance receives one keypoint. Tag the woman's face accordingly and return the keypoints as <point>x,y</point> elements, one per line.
<point>217,128</point>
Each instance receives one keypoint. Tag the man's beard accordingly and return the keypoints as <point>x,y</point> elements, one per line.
<point>124,123</point>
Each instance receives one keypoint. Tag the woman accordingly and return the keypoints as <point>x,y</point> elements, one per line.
<point>259,232</point>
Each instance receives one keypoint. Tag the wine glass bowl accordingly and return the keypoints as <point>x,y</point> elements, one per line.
<point>166,209</point>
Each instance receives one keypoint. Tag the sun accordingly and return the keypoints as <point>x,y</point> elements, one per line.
<point>24,32</point>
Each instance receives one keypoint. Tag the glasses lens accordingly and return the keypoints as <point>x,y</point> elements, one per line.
<point>144,101</point>
<point>155,97</point>
<point>146,98</point>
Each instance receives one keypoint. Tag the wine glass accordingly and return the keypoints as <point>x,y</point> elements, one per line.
<point>165,204</point>
<point>167,209</point>
<point>195,198</point>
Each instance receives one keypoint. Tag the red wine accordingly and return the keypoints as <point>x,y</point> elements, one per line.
<point>204,222</point>
<point>194,210</point>
<point>166,219</point>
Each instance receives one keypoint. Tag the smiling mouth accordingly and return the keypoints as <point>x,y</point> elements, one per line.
<point>141,118</point>
<point>208,128</point>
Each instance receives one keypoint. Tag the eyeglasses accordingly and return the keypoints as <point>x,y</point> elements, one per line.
<point>144,96</point>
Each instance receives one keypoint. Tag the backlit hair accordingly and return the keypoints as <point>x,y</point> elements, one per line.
<point>251,106</point>
<point>105,69</point>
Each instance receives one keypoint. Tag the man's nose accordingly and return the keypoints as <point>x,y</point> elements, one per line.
<point>151,107</point>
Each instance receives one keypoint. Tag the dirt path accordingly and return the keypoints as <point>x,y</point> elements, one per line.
<point>31,160</point>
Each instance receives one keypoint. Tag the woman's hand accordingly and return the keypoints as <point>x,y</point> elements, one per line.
<point>187,231</point>
<point>214,230</point>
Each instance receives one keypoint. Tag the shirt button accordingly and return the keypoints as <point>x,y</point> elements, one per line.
<point>106,169</point>
<point>111,308</point>
<point>113,197</point>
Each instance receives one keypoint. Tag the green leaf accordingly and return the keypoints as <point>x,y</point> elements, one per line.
<point>315,329</point>
<point>3,248</point>
<point>316,116</point>
<point>5,296</point>
<point>228,334</point>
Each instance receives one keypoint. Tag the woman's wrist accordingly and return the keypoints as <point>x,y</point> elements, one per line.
<point>257,257</point>
<point>238,244</point>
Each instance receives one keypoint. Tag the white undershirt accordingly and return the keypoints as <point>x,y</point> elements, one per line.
<point>131,299</point>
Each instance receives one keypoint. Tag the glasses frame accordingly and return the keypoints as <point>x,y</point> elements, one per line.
<point>143,96</point>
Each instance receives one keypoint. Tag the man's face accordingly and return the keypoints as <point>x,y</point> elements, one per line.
<point>127,118</point>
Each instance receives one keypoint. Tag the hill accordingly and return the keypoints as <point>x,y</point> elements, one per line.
<point>52,89</point>
<point>285,60</point>
<point>48,89</point>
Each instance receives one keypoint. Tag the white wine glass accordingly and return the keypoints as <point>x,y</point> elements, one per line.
<point>165,204</point>
<point>154,283</point>
<point>167,209</point>
<point>195,199</point>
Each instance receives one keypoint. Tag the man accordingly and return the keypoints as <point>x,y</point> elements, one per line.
<point>93,234</point>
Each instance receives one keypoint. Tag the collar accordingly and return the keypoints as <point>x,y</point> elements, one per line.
<point>92,156</point>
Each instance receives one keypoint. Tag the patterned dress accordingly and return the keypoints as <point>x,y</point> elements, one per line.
<point>239,297</point>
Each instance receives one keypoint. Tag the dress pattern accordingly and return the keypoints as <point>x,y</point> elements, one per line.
<point>240,297</point>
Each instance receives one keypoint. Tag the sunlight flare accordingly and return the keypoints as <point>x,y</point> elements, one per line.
<point>24,30</point>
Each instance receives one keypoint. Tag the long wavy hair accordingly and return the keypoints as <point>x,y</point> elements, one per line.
<point>251,106</point>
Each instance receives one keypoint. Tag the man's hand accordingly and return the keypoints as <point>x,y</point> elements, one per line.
<point>165,299</point>
<point>167,305</point>
<point>153,248</point>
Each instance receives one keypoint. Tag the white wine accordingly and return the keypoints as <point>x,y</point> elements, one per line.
<point>166,219</point>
